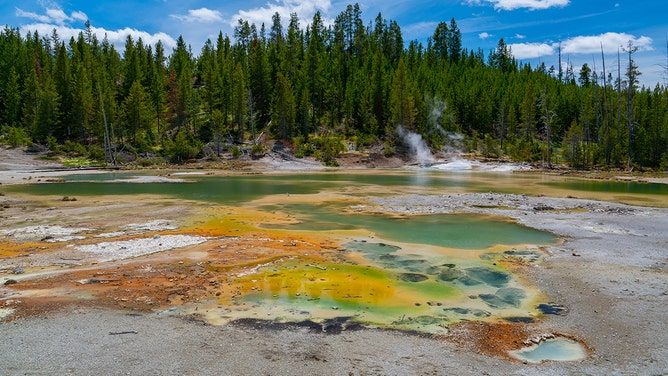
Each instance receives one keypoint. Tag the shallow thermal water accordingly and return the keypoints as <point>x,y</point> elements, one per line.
<point>413,272</point>
<point>418,287</point>
<point>559,349</point>
<point>245,188</point>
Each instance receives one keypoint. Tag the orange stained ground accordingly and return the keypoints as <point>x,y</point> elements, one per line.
<point>238,259</point>
<point>170,278</point>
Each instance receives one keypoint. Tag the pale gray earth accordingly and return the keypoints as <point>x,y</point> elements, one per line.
<point>611,274</point>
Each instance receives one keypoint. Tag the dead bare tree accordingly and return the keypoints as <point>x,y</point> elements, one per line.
<point>632,74</point>
<point>605,112</point>
<point>548,117</point>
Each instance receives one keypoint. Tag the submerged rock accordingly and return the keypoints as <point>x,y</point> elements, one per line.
<point>552,308</point>
<point>489,276</point>
<point>448,275</point>
<point>413,277</point>
<point>510,297</point>
<point>468,312</point>
<point>468,281</point>
<point>523,320</point>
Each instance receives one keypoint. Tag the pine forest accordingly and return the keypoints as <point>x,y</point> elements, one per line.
<point>320,90</point>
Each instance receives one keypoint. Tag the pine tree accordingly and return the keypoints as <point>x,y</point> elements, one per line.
<point>239,103</point>
<point>137,113</point>
<point>454,41</point>
<point>157,87</point>
<point>260,81</point>
<point>314,66</point>
<point>180,92</point>
<point>632,74</point>
<point>62,79</point>
<point>440,40</point>
<point>402,103</point>
<point>12,103</point>
<point>48,111</point>
<point>283,109</point>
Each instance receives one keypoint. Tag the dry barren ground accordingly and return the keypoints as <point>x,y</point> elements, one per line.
<point>610,275</point>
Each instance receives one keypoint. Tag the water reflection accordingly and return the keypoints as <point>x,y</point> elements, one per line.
<point>245,188</point>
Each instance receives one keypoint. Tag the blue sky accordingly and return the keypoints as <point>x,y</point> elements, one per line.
<point>533,28</point>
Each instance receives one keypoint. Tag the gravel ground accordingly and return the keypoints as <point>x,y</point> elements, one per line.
<point>611,274</point>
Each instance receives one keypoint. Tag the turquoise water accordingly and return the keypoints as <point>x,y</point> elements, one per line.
<point>611,186</point>
<point>235,189</point>
<point>405,278</point>
<point>223,190</point>
<point>559,349</point>
<point>455,231</point>
<point>462,231</point>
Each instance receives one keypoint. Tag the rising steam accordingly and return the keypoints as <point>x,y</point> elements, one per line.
<point>418,148</point>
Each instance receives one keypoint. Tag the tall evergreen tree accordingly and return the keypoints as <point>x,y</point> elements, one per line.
<point>402,103</point>
<point>46,120</point>
<point>283,109</point>
<point>137,113</point>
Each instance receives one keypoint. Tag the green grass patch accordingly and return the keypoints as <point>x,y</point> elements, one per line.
<point>80,162</point>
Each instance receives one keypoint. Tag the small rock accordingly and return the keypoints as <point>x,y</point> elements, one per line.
<point>18,271</point>
<point>10,282</point>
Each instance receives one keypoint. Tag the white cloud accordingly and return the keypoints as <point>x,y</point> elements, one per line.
<point>519,4</point>
<point>585,44</point>
<point>520,36</point>
<point>53,15</point>
<point>304,10</point>
<point>115,37</point>
<point>531,50</point>
<point>58,16</point>
<point>610,42</point>
<point>484,35</point>
<point>201,15</point>
<point>31,15</point>
<point>56,19</point>
<point>81,16</point>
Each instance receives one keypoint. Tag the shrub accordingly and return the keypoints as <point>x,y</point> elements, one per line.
<point>388,150</point>
<point>16,136</point>
<point>96,152</point>
<point>257,151</point>
<point>664,163</point>
<point>303,148</point>
<point>328,148</point>
<point>52,145</point>
<point>74,149</point>
<point>182,148</point>
<point>490,147</point>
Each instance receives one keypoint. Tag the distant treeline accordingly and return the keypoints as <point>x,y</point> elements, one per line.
<point>318,87</point>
